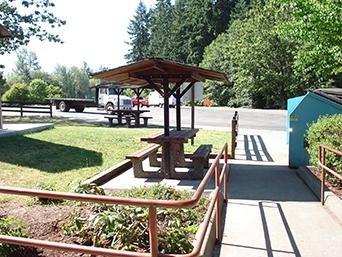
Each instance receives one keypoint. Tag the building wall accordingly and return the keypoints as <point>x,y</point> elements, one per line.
<point>308,110</point>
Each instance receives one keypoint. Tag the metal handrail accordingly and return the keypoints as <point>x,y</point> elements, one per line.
<point>220,176</point>
<point>321,162</point>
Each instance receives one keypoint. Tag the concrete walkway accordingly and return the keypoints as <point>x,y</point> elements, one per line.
<point>23,128</point>
<point>271,212</point>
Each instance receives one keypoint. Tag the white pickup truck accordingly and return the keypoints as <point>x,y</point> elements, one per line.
<point>106,97</point>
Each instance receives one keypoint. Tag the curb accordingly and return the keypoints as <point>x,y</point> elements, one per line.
<point>209,241</point>
<point>104,176</point>
<point>333,204</point>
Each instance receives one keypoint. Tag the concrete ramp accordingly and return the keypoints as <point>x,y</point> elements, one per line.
<point>271,212</point>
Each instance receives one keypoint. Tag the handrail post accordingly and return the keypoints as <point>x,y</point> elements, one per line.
<point>322,155</point>
<point>152,223</point>
<point>21,110</point>
<point>225,175</point>
<point>217,183</point>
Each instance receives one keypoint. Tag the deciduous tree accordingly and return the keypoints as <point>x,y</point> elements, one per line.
<point>27,19</point>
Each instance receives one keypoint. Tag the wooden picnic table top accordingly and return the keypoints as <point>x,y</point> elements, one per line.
<point>175,135</point>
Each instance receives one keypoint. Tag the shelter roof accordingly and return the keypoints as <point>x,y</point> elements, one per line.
<point>138,74</point>
<point>334,94</point>
<point>4,33</point>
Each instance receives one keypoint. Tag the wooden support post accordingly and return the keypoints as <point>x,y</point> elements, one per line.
<point>192,110</point>
<point>119,91</point>
<point>234,135</point>
<point>178,109</point>
<point>138,93</point>
<point>166,107</point>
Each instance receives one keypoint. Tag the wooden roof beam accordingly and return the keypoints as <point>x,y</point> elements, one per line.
<point>178,84</point>
<point>160,76</point>
<point>155,86</point>
<point>197,76</point>
<point>187,88</point>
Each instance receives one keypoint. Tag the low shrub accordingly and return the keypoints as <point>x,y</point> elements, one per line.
<point>326,130</point>
<point>45,201</point>
<point>126,227</point>
<point>10,226</point>
<point>88,188</point>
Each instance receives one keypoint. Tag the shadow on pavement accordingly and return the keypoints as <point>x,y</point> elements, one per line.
<point>271,182</point>
<point>254,148</point>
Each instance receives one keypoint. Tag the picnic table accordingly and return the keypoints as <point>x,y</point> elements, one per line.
<point>172,150</point>
<point>133,113</point>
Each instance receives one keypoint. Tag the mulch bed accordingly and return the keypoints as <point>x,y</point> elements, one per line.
<point>336,188</point>
<point>44,222</point>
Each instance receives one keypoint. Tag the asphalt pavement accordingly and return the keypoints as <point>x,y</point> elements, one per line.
<point>217,118</point>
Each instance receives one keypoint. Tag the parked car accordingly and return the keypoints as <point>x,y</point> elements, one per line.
<point>142,101</point>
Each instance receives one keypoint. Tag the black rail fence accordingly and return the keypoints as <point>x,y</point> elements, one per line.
<point>27,107</point>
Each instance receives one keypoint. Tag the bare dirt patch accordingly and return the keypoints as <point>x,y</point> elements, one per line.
<point>44,223</point>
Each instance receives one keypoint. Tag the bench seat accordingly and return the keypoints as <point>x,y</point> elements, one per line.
<point>200,159</point>
<point>138,157</point>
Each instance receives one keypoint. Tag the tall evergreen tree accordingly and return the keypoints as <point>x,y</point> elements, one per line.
<point>161,19</point>
<point>199,29</point>
<point>178,32</point>
<point>222,14</point>
<point>138,30</point>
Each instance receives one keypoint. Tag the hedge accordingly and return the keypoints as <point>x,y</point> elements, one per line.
<point>327,130</point>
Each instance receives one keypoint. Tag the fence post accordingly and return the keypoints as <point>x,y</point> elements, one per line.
<point>21,110</point>
<point>152,223</point>
<point>234,122</point>
<point>322,155</point>
<point>50,110</point>
<point>225,175</point>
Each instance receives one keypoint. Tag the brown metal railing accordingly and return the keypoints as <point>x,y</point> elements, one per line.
<point>321,162</point>
<point>235,131</point>
<point>221,176</point>
<point>29,107</point>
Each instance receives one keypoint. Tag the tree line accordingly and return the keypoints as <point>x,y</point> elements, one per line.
<point>271,50</point>
<point>29,83</point>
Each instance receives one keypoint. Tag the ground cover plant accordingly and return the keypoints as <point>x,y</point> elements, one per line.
<point>115,227</point>
<point>10,226</point>
<point>74,151</point>
<point>126,227</point>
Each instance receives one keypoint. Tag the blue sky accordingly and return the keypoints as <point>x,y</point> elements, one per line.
<point>95,32</point>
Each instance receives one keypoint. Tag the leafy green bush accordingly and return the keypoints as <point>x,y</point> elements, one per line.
<point>45,201</point>
<point>126,227</point>
<point>10,226</point>
<point>37,91</point>
<point>88,188</point>
<point>327,130</point>
<point>17,93</point>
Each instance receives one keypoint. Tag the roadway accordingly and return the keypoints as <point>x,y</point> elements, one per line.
<point>209,118</point>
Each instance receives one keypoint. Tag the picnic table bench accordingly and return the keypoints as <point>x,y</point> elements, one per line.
<point>200,159</point>
<point>138,157</point>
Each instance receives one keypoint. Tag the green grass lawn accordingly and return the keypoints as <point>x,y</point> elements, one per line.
<point>75,151</point>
